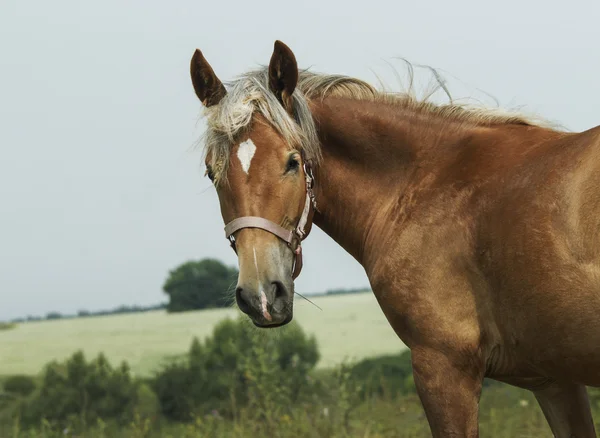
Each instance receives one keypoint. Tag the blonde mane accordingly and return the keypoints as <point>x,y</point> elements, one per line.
<point>250,94</point>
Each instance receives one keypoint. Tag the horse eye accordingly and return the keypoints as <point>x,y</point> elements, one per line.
<point>292,164</point>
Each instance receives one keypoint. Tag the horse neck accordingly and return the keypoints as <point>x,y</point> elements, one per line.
<point>372,153</point>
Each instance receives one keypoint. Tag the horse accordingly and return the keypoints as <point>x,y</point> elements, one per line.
<point>478,229</point>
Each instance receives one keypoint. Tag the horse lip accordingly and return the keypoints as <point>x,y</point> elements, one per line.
<point>286,321</point>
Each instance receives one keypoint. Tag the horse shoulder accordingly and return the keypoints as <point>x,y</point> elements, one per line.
<point>427,288</point>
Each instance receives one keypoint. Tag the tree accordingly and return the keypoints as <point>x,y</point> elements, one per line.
<point>53,315</point>
<point>199,285</point>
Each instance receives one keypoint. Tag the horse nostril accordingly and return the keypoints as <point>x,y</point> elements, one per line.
<point>241,300</point>
<point>280,290</point>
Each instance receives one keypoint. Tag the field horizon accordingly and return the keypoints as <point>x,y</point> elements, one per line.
<point>349,326</point>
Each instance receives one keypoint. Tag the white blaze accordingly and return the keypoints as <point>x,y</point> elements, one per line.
<point>256,266</point>
<point>263,297</point>
<point>263,305</point>
<point>246,153</point>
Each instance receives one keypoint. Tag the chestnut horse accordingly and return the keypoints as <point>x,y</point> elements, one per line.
<point>479,231</point>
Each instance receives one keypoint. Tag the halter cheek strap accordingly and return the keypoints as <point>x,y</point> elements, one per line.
<point>293,238</point>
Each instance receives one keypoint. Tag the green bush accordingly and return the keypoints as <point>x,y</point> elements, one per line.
<point>384,376</point>
<point>80,392</point>
<point>19,385</point>
<point>172,386</point>
<point>238,366</point>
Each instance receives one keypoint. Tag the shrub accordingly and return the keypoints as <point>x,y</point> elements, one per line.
<point>146,401</point>
<point>238,366</point>
<point>83,392</point>
<point>172,388</point>
<point>384,376</point>
<point>19,385</point>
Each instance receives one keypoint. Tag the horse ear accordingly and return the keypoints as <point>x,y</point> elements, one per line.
<point>283,74</point>
<point>207,85</point>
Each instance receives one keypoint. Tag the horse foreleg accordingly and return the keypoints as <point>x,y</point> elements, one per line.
<point>567,408</point>
<point>449,393</point>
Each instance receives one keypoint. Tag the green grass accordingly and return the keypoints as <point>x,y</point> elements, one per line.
<point>349,326</point>
<point>504,413</point>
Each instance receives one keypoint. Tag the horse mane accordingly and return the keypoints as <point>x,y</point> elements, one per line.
<point>249,94</point>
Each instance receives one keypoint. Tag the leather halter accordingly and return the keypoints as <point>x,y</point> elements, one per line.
<point>294,237</point>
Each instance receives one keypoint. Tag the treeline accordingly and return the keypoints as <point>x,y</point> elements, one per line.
<point>87,313</point>
<point>347,291</point>
<point>193,285</point>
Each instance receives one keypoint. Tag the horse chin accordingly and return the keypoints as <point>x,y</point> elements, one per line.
<point>264,324</point>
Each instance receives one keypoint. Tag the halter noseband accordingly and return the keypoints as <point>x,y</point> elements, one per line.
<point>294,237</point>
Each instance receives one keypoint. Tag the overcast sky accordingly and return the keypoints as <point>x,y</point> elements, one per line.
<point>101,191</point>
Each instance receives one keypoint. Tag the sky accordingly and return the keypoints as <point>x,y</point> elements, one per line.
<point>102,191</point>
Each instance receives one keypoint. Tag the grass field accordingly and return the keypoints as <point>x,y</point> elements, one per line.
<point>349,326</point>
